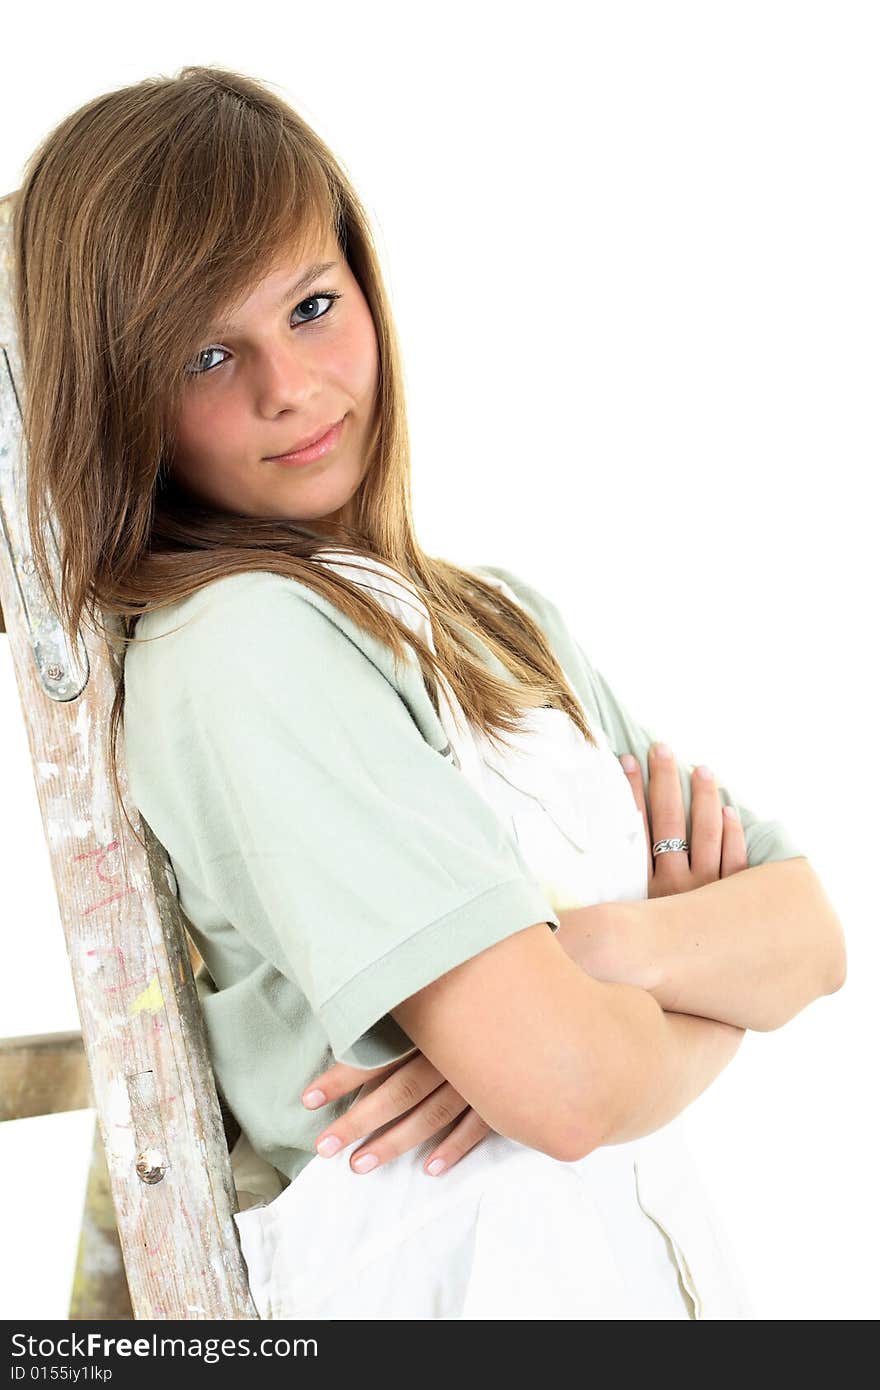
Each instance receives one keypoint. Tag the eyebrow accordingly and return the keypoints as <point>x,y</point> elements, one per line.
<point>310,273</point>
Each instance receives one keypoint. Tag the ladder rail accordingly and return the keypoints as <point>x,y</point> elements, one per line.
<point>143,1031</point>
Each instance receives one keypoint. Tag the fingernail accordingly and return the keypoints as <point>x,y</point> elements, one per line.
<point>436,1166</point>
<point>662,750</point>
<point>628,762</point>
<point>704,772</point>
<point>365,1164</point>
<point>731,813</point>
<point>314,1098</point>
<point>329,1146</point>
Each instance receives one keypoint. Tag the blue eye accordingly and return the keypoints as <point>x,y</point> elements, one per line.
<point>330,295</point>
<point>325,294</point>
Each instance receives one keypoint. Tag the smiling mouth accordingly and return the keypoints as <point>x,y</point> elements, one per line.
<point>306,443</point>
<point>318,448</point>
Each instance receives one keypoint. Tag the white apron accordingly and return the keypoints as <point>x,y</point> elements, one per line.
<point>508,1232</point>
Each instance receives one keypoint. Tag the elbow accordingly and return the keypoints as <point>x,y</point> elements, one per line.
<point>837,971</point>
<point>828,937</point>
<point>563,1134</point>
<point>569,1147</point>
<point>835,958</point>
<point>827,976</point>
<point>573,1152</point>
<point>577,1133</point>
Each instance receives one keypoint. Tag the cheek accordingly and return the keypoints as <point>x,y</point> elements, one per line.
<point>359,356</point>
<point>188,431</point>
<point>202,424</point>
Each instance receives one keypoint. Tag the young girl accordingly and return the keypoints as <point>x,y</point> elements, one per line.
<point>388,785</point>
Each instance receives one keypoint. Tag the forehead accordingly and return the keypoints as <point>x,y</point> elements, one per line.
<point>301,252</point>
<point>290,273</point>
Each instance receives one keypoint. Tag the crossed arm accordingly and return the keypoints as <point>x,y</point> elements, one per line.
<point>750,950</point>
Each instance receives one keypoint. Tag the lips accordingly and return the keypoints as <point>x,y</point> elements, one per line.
<point>304,443</point>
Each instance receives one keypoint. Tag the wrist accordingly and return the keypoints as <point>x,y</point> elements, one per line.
<point>616,942</point>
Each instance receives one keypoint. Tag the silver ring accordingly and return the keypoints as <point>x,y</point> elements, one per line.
<point>665,846</point>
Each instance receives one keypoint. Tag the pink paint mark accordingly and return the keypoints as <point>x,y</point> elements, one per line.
<point>113,898</point>
<point>99,855</point>
<point>161,1241</point>
<point>128,981</point>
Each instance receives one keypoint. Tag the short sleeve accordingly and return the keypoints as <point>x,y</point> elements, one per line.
<point>296,788</point>
<point>766,840</point>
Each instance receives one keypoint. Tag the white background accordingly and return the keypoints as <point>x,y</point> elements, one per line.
<point>633,256</point>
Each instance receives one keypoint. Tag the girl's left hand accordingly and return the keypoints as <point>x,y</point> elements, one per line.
<point>414,1089</point>
<point>717,841</point>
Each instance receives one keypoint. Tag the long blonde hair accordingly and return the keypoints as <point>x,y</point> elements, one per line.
<point>138,216</point>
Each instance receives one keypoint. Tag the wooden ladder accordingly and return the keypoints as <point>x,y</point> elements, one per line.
<point>158,1239</point>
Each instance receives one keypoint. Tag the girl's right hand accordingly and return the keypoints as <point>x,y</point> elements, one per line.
<point>717,839</point>
<point>400,1105</point>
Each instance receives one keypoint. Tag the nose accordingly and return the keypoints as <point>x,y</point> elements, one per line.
<point>285,380</point>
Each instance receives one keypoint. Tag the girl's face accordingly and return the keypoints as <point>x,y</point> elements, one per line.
<point>300,356</point>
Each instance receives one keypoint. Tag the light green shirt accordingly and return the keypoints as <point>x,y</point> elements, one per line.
<point>330,858</point>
